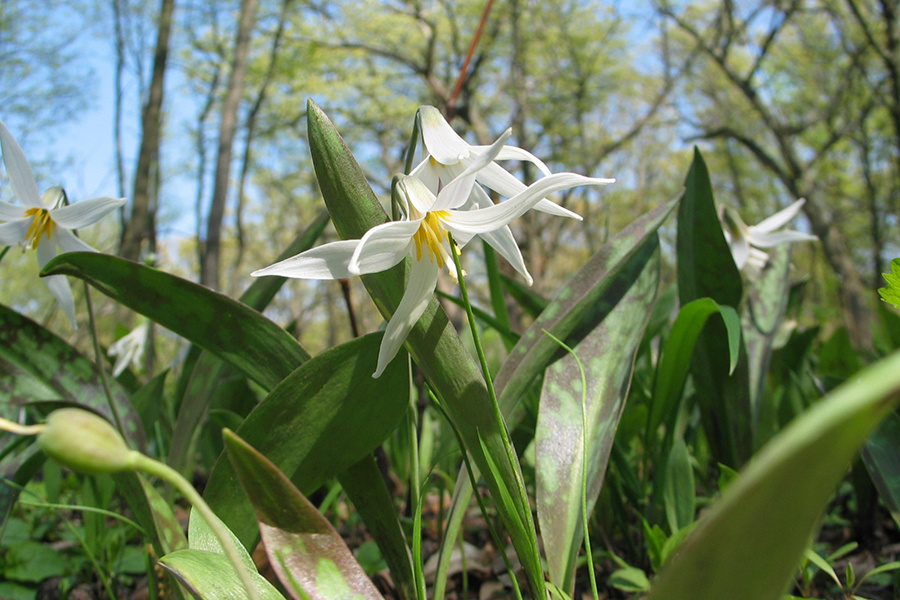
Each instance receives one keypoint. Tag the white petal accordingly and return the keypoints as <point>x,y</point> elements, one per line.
<point>456,192</point>
<point>444,144</point>
<point>767,240</point>
<point>86,212</point>
<point>504,243</point>
<point>780,219</point>
<point>9,212</point>
<point>328,261</point>
<point>516,153</point>
<point>552,208</point>
<point>19,171</point>
<point>59,287</point>
<point>67,241</point>
<point>493,217</point>
<point>383,246</point>
<point>417,193</point>
<point>14,232</point>
<point>419,289</point>
<point>740,250</point>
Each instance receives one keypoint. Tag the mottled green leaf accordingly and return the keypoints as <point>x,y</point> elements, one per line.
<point>208,575</point>
<point>763,312</point>
<point>748,544</point>
<point>37,365</point>
<point>227,328</point>
<point>309,556</point>
<point>891,292</point>
<point>320,420</point>
<point>575,310</point>
<point>607,353</point>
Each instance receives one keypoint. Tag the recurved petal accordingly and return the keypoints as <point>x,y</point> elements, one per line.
<point>328,261</point>
<point>67,241</point>
<point>767,240</point>
<point>20,175</point>
<point>494,217</point>
<point>418,194</point>
<point>14,232</point>
<point>383,246</point>
<point>781,218</point>
<point>422,279</point>
<point>86,212</point>
<point>444,144</point>
<point>455,193</point>
<point>504,243</point>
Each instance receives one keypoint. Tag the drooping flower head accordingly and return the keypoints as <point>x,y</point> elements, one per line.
<point>423,234</point>
<point>745,240</point>
<point>45,223</point>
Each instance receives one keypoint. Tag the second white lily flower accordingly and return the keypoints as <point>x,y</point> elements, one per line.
<point>422,235</point>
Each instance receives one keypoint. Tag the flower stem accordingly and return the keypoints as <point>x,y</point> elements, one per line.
<point>170,475</point>
<point>104,379</point>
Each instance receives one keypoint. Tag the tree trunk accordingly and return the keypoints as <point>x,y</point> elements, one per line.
<point>209,267</point>
<point>140,229</point>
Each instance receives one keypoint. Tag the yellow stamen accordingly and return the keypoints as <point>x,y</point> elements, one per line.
<point>42,224</point>
<point>432,234</point>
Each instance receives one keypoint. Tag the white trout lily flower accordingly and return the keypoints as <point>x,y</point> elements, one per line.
<point>45,223</point>
<point>448,155</point>
<point>422,235</point>
<point>745,240</point>
<point>129,349</point>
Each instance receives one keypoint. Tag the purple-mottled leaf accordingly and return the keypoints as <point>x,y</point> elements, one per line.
<point>309,556</point>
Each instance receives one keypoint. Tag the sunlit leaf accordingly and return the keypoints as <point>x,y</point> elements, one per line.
<point>891,292</point>
<point>749,542</point>
<point>607,353</point>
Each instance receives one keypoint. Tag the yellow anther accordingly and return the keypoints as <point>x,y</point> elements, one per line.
<point>41,224</point>
<point>431,233</point>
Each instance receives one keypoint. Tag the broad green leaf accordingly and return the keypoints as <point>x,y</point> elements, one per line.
<point>562,441</point>
<point>152,511</point>
<point>250,342</point>
<point>209,575</point>
<point>323,418</point>
<point>707,270</point>
<point>762,314</point>
<point>679,489</point>
<point>202,537</point>
<point>881,455</point>
<point>629,579</point>
<point>891,292</point>
<point>705,266</point>
<point>750,541</point>
<point>309,556</point>
<point>675,363</point>
<point>433,342</point>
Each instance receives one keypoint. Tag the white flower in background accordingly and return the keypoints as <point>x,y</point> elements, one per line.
<point>129,349</point>
<point>45,223</point>
<point>422,234</point>
<point>745,240</point>
<point>448,155</point>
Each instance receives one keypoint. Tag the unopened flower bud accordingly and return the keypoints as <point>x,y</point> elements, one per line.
<point>84,442</point>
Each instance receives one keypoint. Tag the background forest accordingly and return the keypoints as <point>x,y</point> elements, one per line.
<point>197,113</point>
